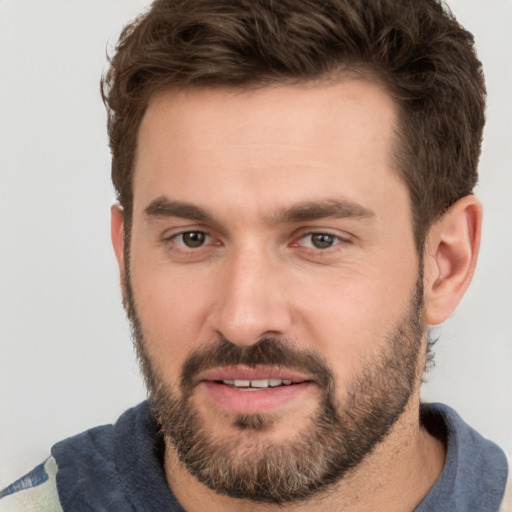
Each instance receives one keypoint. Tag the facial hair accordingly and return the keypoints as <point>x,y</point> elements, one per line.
<point>334,441</point>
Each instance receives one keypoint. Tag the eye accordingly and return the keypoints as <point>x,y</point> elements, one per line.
<point>191,239</point>
<point>319,240</point>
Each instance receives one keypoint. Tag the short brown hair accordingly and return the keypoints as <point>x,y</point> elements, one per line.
<point>416,48</point>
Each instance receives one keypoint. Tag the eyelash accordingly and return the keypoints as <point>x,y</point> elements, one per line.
<point>336,240</point>
<point>176,244</point>
<point>194,232</point>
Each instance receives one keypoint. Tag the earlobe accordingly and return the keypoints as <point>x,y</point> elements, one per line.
<point>451,254</point>
<point>117,235</point>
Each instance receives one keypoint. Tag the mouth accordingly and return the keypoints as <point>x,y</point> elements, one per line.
<point>256,384</point>
<point>244,390</point>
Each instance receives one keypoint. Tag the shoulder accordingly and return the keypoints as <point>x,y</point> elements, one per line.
<point>36,491</point>
<point>476,471</point>
<point>84,472</point>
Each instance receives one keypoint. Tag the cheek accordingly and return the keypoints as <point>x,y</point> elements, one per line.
<point>168,307</point>
<point>349,317</point>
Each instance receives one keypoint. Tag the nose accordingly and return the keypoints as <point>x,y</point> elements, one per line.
<point>253,302</point>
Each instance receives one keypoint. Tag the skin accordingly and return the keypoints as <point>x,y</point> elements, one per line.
<point>246,158</point>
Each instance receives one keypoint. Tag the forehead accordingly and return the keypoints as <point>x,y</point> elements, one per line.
<point>243,114</point>
<point>280,143</point>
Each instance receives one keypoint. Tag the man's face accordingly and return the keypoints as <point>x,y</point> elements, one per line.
<point>273,277</point>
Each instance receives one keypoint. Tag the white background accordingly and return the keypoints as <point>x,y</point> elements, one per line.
<point>66,361</point>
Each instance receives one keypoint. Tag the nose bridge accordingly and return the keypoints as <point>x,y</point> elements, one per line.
<point>252,302</point>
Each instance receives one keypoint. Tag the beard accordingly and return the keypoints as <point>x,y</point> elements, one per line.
<point>327,447</point>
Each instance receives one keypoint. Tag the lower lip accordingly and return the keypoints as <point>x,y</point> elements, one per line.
<point>253,401</point>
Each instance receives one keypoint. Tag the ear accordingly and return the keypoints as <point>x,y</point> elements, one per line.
<point>117,235</point>
<point>451,253</point>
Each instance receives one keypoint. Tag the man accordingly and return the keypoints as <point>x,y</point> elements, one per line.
<point>295,208</point>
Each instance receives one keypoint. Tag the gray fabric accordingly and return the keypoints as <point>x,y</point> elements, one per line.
<point>475,473</point>
<point>119,467</point>
<point>115,468</point>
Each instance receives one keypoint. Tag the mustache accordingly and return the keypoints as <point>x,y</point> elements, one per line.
<point>266,352</point>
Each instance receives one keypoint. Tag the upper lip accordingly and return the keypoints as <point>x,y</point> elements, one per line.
<point>258,373</point>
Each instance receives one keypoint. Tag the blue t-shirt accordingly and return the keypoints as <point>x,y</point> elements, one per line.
<point>120,468</point>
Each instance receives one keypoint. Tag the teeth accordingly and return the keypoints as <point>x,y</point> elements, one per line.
<point>264,383</point>
<point>259,383</point>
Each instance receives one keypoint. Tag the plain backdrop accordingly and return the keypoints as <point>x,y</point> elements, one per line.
<point>66,360</point>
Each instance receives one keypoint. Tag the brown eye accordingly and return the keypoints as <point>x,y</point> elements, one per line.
<point>193,239</point>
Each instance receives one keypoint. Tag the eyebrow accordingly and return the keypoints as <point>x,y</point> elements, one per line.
<point>163,207</point>
<point>329,208</point>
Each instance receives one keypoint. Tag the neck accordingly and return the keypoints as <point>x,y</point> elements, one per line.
<point>395,476</point>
